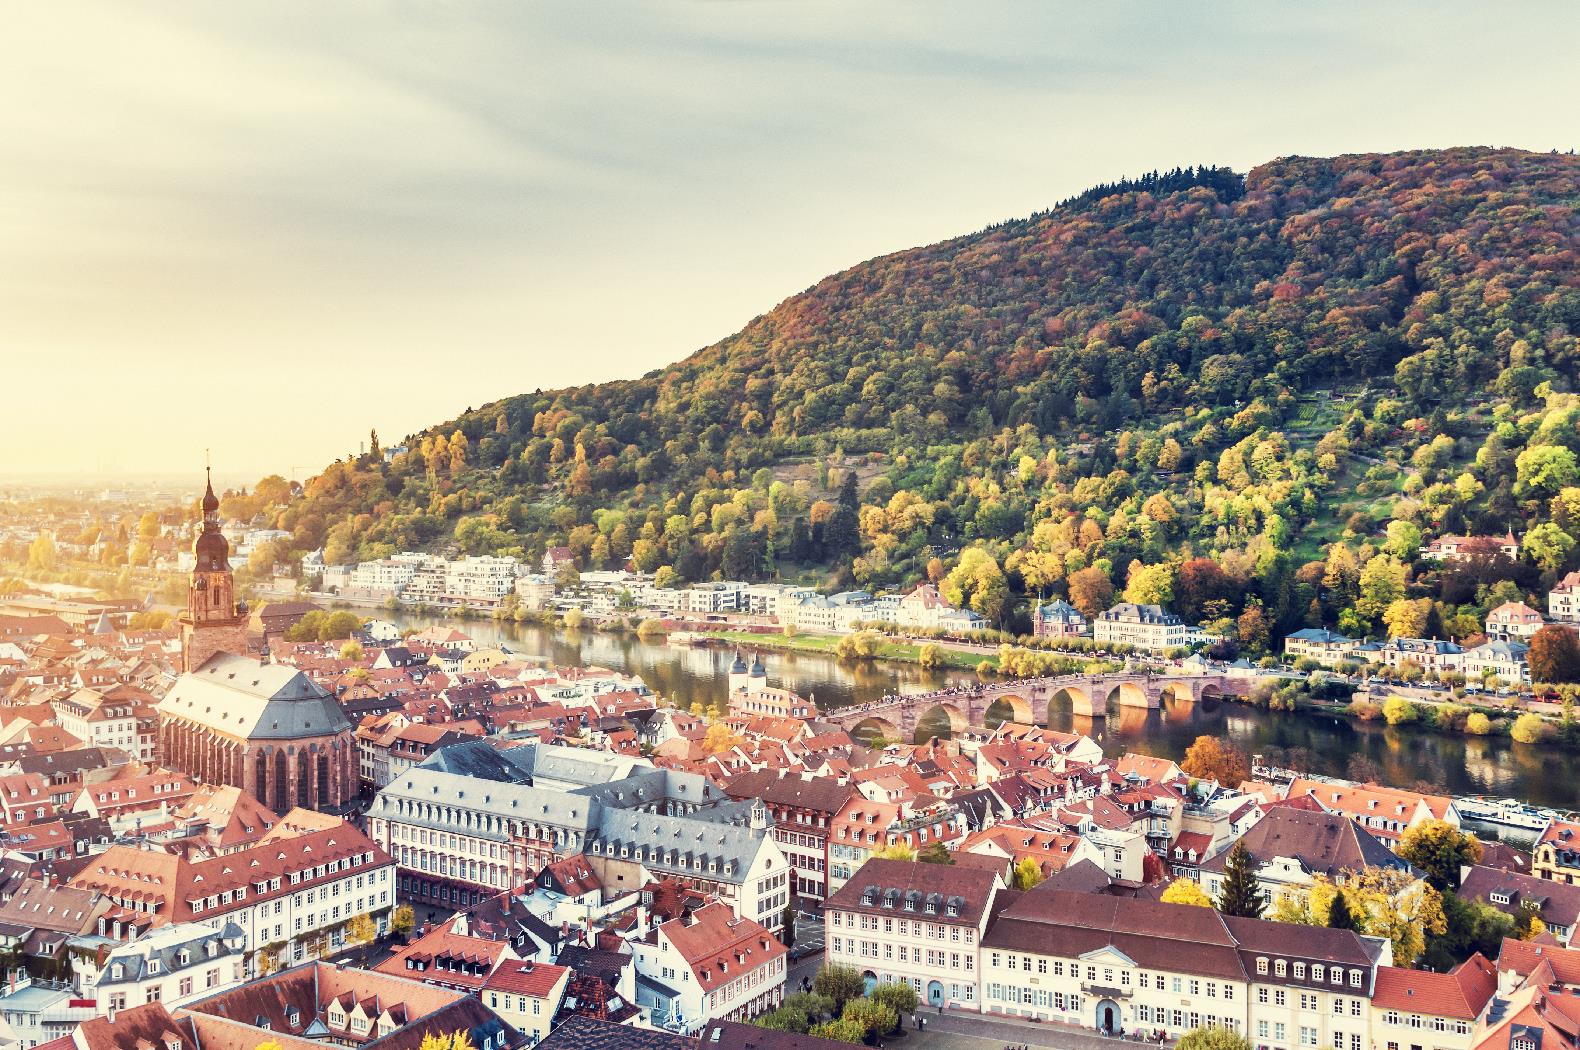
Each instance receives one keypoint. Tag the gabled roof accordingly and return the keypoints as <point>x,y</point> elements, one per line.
<point>1324,843</point>
<point>1459,994</point>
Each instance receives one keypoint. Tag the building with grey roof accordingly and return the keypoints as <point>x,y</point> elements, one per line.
<point>171,964</point>
<point>265,728</point>
<point>471,821</point>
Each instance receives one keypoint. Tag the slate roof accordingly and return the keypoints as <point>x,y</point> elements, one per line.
<point>681,846</point>
<point>166,946</point>
<point>823,794</point>
<point>240,697</point>
<point>586,1033</point>
<point>1325,843</point>
<point>902,887</point>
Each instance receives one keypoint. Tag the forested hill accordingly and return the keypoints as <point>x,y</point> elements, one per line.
<point>1185,364</point>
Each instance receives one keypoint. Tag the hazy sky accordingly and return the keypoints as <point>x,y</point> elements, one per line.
<point>267,227</point>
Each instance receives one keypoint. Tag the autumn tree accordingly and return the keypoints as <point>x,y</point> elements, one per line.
<point>1091,591</point>
<point>1440,850</point>
<point>403,921</point>
<point>1530,728</point>
<point>1027,873</point>
<point>896,851</point>
<point>1555,655</point>
<point>1186,891</point>
<point>720,738</point>
<point>1210,758</point>
<point>361,931</point>
<point>1396,905</point>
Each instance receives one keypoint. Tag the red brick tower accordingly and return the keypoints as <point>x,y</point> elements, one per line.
<point>211,623</point>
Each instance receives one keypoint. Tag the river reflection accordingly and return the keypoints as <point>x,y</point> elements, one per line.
<point>1323,743</point>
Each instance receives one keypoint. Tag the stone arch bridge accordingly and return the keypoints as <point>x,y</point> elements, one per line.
<point>1029,699</point>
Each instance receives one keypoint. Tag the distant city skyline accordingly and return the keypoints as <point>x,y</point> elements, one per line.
<point>268,229</point>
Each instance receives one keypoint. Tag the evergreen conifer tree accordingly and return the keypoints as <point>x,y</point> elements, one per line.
<point>1340,917</point>
<point>1240,895</point>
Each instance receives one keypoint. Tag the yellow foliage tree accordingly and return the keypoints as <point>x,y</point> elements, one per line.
<point>1386,902</point>
<point>720,738</point>
<point>1186,891</point>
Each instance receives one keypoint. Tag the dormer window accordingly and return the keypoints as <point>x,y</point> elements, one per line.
<point>1280,968</point>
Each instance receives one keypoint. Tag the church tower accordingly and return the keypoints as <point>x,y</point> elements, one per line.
<point>211,623</point>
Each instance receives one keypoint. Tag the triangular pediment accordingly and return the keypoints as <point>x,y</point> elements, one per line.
<point>1109,954</point>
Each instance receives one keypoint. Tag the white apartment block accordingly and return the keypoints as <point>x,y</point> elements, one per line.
<point>919,924</point>
<point>1148,627</point>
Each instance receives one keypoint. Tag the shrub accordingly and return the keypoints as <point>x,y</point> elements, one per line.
<point>1399,711</point>
<point>1365,710</point>
<point>1530,728</point>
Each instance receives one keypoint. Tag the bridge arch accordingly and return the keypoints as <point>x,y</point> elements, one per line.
<point>1019,709</point>
<point>1080,701</point>
<point>958,721</point>
<point>1128,694</point>
<point>876,725</point>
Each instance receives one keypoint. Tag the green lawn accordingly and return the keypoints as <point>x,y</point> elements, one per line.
<point>905,652</point>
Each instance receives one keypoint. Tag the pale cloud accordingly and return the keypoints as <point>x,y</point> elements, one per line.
<point>266,228</point>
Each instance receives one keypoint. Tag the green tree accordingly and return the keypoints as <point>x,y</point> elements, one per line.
<point>1545,469</point>
<point>787,936</point>
<point>839,983</point>
<point>897,996</point>
<point>1548,545</point>
<point>1381,583</point>
<point>874,1017</point>
<point>1340,917</point>
<point>1404,537</point>
<point>840,1031</point>
<point>935,852</point>
<point>1241,893</point>
<point>1212,1038</point>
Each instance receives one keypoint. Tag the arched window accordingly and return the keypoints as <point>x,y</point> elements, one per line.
<point>324,796</point>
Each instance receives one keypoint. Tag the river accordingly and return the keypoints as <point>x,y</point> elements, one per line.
<point>1322,744</point>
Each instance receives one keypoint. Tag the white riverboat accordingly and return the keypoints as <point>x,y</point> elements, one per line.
<point>1504,812</point>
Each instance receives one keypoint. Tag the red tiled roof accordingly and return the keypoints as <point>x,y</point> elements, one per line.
<point>527,978</point>
<point>1460,993</point>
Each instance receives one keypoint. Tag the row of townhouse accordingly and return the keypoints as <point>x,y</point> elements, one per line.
<point>1125,965</point>
<point>291,892</point>
<point>1501,656</point>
